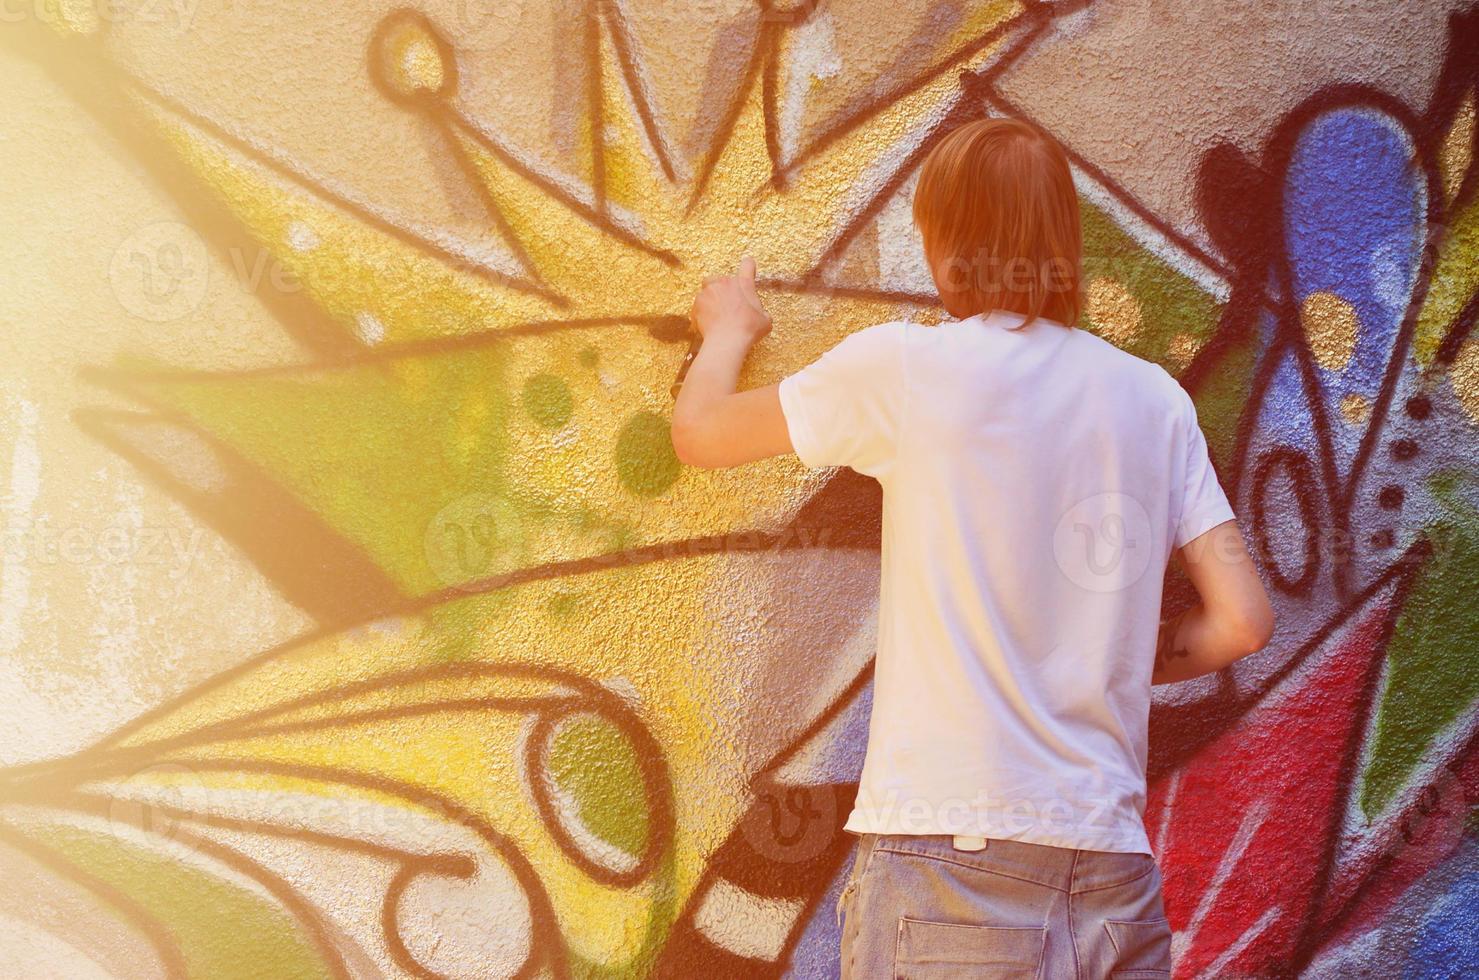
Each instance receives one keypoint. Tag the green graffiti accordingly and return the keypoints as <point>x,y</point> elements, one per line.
<point>645,460</point>
<point>547,400</point>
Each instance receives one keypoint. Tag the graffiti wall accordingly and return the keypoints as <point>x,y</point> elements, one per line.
<point>357,619</point>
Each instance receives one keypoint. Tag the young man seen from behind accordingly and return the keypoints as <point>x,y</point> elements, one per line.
<point>1036,481</point>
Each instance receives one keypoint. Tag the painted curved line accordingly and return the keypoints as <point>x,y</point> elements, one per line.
<point>121,762</point>
<point>1288,337</point>
<point>724,132</point>
<point>589,699</point>
<point>1034,19</point>
<point>118,758</point>
<point>1424,132</point>
<point>1278,161</point>
<point>665,327</point>
<point>618,26</point>
<point>159,938</point>
<point>205,818</point>
<point>1373,427</point>
<point>1228,706</point>
<point>655,783</point>
<point>308,916</point>
<point>1296,467</point>
<point>1405,566</point>
<point>452,259</point>
<point>290,898</point>
<point>453,119</point>
<point>624,46</point>
<point>547,711</point>
<point>545,939</point>
<point>673,550</point>
<point>646,554</point>
<point>412,864</point>
<point>390,921</point>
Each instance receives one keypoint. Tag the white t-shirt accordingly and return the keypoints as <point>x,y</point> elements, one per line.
<point>1034,484</point>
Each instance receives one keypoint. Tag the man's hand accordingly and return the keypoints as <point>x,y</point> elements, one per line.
<point>727,308</point>
<point>713,425</point>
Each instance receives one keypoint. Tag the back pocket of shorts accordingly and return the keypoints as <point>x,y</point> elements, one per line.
<point>956,951</point>
<point>1142,949</point>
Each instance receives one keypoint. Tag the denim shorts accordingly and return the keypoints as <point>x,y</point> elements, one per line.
<point>916,907</point>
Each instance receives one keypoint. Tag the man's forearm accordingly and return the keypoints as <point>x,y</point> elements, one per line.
<point>714,425</point>
<point>713,375</point>
<point>1233,619</point>
<point>1189,645</point>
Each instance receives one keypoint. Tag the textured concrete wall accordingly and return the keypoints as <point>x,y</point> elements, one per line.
<point>356,618</point>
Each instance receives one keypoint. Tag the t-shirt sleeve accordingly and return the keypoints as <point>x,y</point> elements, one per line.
<point>846,408</point>
<point>1203,503</point>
